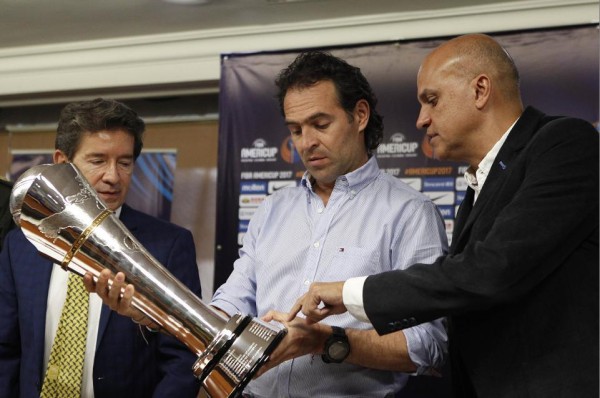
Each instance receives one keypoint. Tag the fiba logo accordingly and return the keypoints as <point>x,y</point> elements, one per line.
<point>288,151</point>
<point>259,143</point>
<point>397,138</point>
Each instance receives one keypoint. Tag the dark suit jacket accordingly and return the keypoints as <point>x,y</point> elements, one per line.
<point>127,363</point>
<point>520,283</point>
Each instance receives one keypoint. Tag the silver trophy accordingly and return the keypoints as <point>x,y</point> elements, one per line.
<point>65,220</point>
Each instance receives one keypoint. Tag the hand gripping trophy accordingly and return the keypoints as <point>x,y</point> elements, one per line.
<point>62,216</point>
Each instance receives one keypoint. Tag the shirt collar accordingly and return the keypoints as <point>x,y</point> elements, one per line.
<point>476,179</point>
<point>354,181</point>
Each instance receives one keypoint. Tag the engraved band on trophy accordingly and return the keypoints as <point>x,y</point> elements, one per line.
<point>66,221</point>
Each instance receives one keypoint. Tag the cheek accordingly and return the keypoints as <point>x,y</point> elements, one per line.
<point>92,176</point>
<point>125,178</point>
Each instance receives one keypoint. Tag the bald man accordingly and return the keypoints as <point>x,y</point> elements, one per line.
<point>520,284</point>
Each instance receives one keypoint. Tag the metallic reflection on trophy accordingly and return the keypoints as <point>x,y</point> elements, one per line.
<point>62,216</point>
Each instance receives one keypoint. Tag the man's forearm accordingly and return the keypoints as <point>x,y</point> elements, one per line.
<point>389,352</point>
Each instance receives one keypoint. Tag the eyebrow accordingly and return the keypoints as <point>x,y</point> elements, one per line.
<point>311,118</point>
<point>426,92</point>
<point>103,155</point>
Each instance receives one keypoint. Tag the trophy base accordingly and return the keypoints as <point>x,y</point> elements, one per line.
<point>249,351</point>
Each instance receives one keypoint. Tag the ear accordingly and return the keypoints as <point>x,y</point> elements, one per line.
<point>60,157</point>
<point>362,110</point>
<point>482,86</point>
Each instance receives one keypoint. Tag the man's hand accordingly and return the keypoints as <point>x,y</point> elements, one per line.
<point>117,296</point>
<point>302,338</point>
<point>322,300</point>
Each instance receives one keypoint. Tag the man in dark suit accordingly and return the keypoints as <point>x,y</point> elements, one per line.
<point>122,359</point>
<point>520,284</point>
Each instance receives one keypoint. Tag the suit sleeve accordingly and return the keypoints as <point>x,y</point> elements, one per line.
<point>518,240</point>
<point>176,359</point>
<point>10,344</point>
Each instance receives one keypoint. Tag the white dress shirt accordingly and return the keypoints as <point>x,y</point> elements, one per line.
<point>57,294</point>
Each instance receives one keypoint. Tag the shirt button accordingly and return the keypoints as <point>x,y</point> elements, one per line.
<point>353,192</point>
<point>307,282</point>
<point>316,244</point>
<point>320,210</point>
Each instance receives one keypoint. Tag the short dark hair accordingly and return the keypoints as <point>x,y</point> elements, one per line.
<point>351,86</point>
<point>100,114</point>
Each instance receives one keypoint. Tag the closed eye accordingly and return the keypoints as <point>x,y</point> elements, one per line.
<point>322,126</point>
<point>432,101</point>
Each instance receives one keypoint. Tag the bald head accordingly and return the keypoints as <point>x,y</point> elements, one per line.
<point>469,93</point>
<point>475,54</point>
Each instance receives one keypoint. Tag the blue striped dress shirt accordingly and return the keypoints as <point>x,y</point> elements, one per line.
<point>372,223</point>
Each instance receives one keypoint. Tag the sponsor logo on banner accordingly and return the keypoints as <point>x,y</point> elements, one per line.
<point>253,187</point>
<point>441,197</point>
<point>288,151</point>
<point>259,152</point>
<point>243,225</point>
<point>251,200</point>
<point>414,183</point>
<point>428,171</point>
<point>447,212</point>
<point>438,183</point>
<point>246,213</point>
<point>460,196</point>
<point>397,147</point>
<point>277,185</point>
<point>266,175</point>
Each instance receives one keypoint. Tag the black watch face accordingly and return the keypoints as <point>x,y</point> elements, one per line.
<point>338,350</point>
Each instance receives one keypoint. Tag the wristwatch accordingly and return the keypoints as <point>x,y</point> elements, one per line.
<point>337,347</point>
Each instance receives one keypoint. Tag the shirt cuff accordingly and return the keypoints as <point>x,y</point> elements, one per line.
<point>352,295</point>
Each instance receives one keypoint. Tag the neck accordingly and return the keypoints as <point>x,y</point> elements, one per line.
<point>323,190</point>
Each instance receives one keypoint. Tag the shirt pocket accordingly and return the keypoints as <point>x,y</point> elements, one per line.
<point>349,262</point>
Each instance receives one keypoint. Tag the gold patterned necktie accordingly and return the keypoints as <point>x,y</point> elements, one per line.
<point>65,366</point>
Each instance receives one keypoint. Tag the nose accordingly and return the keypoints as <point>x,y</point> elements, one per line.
<point>111,173</point>
<point>309,140</point>
<point>423,121</point>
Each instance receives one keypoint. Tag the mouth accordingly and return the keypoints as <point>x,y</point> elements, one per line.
<point>109,195</point>
<point>316,161</point>
<point>431,137</point>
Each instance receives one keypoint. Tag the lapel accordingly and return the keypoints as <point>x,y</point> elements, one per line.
<point>461,217</point>
<point>41,282</point>
<point>129,219</point>
<point>521,134</point>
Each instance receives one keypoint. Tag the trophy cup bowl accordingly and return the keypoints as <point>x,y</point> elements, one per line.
<point>61,215</point>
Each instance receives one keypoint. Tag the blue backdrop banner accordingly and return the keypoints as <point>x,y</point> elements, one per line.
<point>559,74</point>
